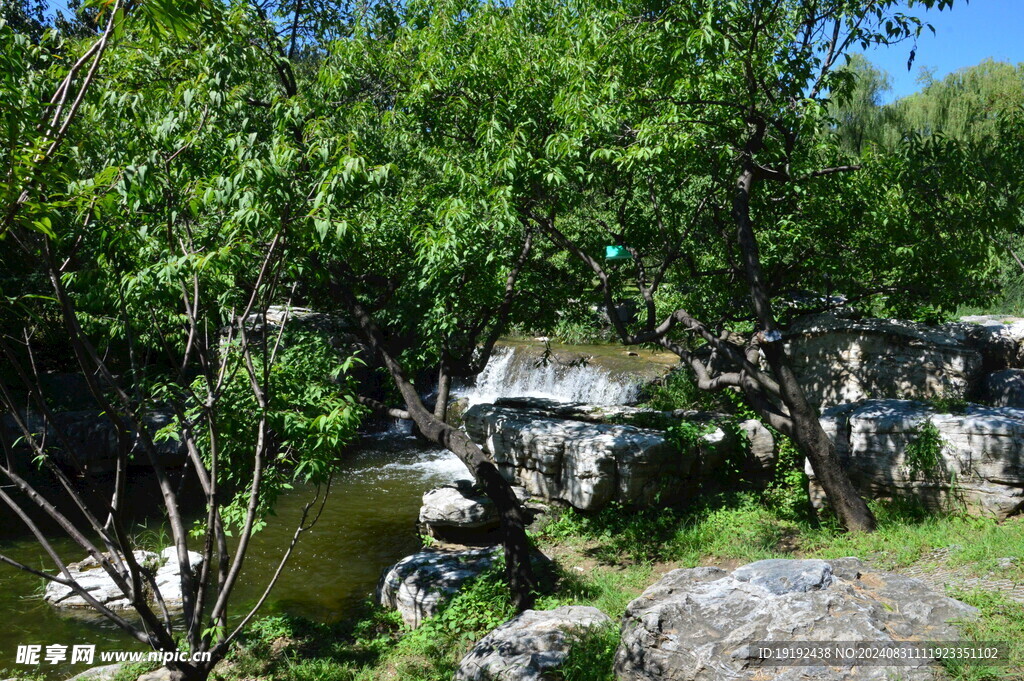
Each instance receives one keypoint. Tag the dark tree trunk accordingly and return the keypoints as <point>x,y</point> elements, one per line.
<point>806,429</point>
<point>812,440</point>
<point>518,569</point>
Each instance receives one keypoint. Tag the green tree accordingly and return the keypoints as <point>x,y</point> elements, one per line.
<point>857,106</point>
<point>162,230</point>
<point>695,136</point>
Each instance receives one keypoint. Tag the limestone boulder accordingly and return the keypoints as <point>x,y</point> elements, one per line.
<point>460,512</point>
<point>980,462</point>
<point>1005,388</point>
<point>841,360</point>
<point>761,445</point>
<point>704,624</point>
<point>419,585</point>
<point>106,672</point>
<point>95,580</point>
<point>531,647</point>
<point>589,465</point>
<point>617,414</point>
<point>999,338</point>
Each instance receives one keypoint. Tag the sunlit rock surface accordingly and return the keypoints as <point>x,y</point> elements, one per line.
<point>95,580</point>
<point>459,512</point>
<point>531,647</point>
<point>980,462</point>
<point>588,465</point>
<point>842,360</point>
<point>702,624</point>
<point>418,585</point>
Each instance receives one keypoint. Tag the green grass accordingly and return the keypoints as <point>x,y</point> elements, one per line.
<point>1001,620</point>
<point>624,551</point>
<point>592,656</point>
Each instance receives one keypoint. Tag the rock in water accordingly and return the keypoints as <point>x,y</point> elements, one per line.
<point>700,624</point>
<point>529,647</point>
<point>94,579</point>
<point>418,585</point>
<point>461,513</point>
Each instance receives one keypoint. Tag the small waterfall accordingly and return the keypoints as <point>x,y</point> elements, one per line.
<point>514,372</point>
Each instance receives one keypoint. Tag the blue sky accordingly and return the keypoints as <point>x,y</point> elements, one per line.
<point>965,35</point>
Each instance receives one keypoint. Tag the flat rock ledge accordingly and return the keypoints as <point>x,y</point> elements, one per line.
<point>104,673</point>
<point>419,585</point>
<point>531,646</point>
<point>980,463</point>
<point>101,587</point>
<point>842,360</point>
<point>590,465</point>
<point>701,624</point>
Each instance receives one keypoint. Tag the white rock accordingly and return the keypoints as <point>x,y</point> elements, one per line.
<point>844,360</point>
<point>460,512</point>
<point>701,624</point>
<point>95,580</point>
<point>418,585</point>
<point>529,647</point>
<point>981,463</point>
<point>587,465</point>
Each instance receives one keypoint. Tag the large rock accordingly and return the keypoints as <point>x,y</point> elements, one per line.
<point>980,463</point>
<point>419,585</point>
<point>87,441</point>
<point>460,512</point>
<point>616,414</point>
<point>763,452</point>
<point>589,465</point>
<point>529,647</point>
<point>1005,388</point>
<point>998,338</point>
<point>106,672</point>
<point>703,624</point>
<point>94,579</point>
<point>844,360</point>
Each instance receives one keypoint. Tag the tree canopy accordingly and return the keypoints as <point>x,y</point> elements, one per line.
<point>434,172</point>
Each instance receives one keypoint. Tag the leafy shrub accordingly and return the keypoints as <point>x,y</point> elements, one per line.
<point>950,402</point>
<point>923,454</point>
<point>688,435</point>
<point>678,390</point>
<point>592,655</point>
<point>787,493</point>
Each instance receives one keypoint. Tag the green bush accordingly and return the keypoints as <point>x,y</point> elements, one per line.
<point>678,390</point>
<point>787,493</point>
<point>592,655</point>
<point>923,454</point>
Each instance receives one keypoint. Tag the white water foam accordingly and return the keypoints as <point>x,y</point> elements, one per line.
<point>436,464</point>
<point>512,372</point>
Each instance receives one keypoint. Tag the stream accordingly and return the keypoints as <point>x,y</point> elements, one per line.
<point>368,523</point>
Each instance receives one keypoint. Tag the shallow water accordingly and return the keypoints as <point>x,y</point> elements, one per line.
<point>368,523</point>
